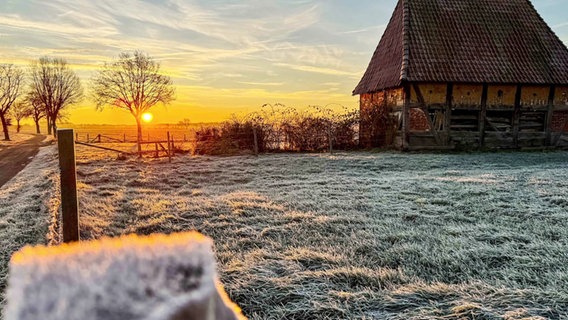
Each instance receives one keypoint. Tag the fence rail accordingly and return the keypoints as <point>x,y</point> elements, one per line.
<point>256,141</point>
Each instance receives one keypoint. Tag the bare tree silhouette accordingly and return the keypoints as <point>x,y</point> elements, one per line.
<point>133,83</point>
<point>38,109</point>
<point>21,110</point>
<point>56,86</point>
<point>11,81</point>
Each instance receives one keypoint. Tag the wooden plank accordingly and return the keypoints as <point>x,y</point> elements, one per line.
<point>103,148</point>
<point>68,174</point>
<point>426,113</point>
<point>483,114</point>
<point>169,149</point>
<point>517,116</point>
<point>255,140</point>
<point>448,115</point>
<point>549,114</point>
<point>406,116</point>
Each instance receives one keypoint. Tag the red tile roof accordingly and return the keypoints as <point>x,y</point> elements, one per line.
<point>468,41</point>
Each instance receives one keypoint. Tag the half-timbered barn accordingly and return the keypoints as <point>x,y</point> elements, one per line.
<point>466,74</point>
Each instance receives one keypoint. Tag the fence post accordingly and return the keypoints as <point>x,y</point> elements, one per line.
<point>330,137</point>
<point>99,137</point>
<point>169,149</point>
<point>77,136</point>
<point>88,138</point>
<point>255,137</point>
<point>68,175</point>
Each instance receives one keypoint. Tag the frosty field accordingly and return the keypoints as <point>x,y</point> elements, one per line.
<point>349,236</point>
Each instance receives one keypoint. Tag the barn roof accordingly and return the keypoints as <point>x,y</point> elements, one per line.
<point>468,41</point>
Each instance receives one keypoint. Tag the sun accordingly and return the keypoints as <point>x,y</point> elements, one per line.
<point>147,117</point>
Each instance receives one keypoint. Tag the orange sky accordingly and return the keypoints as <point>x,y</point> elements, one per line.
<point>224,56</point>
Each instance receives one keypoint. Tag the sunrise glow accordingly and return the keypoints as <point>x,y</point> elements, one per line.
<point>223,57</point>
<point>147,117</point>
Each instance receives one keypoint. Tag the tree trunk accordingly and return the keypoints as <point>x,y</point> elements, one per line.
<point>5,127</point>
<point>48,125</point>
<point>139,125</point>
<point>18,127</point>
<point>54,125</point>
<point>38,131</point>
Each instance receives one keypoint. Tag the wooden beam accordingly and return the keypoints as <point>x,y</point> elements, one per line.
<point>424,108</point>
<point>549,114</point>
<point>68,174</point>
<point>406,116</point>
<point>517,116</point>
<point>102,148</point>
<point>483,114</point>
<point>448,113</point>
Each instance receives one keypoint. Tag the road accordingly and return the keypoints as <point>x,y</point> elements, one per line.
<point>15,158</point>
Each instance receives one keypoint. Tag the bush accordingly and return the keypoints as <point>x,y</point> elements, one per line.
<point>280,128</point>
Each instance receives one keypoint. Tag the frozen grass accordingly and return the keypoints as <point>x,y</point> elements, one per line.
<point>356,235</point>
<point>15,138</point>
<point>28,210</point>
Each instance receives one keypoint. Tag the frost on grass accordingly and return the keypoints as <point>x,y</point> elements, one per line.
<point>29,209</point>
<point>154,278</point>
<point>356,235</point>
<point>15,138</point>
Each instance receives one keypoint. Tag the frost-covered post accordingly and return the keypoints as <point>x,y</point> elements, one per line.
<point>169,148</point>
<point>255,140</point>
<point>330,137</point>
<point>68,174</point>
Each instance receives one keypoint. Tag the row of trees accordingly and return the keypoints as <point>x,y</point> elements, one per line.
<point>133,82</point>
<point>52,87</point>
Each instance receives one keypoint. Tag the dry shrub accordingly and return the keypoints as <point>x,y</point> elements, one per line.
<point>381,125</point>
<point>281,128</point>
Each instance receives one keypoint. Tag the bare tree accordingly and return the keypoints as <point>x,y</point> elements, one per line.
<point>38,109</point>
<point>56,86</point>
<point>11,82</point>
<point>133,83</point>
<point>185,123</point>
<point>21,110</point>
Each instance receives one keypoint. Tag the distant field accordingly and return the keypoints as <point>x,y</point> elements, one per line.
<point>112,133</point>
<point>351,236</point>
<point>149,132</point>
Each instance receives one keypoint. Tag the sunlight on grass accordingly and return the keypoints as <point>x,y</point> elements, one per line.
<point>355,235</point>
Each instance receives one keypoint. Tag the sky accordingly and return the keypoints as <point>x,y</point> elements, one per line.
<point>224,56</point>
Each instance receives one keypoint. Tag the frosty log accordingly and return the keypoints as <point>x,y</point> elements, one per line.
<point>154,278</point>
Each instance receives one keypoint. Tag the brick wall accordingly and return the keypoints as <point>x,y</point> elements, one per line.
<point>418,120</point>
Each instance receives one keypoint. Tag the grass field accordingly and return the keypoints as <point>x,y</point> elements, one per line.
<point>350,236</point>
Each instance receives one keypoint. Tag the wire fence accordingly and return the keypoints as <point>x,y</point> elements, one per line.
<point>217,142</point>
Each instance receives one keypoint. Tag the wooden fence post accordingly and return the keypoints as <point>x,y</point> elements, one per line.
<point>169,149</point>
<point>68,174</point>
<point>330,141</point>
<point>255,138</point>
<point>99,137</point>
<point>88,138</point>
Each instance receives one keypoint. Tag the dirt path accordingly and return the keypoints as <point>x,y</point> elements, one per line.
<point>14,159</point>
